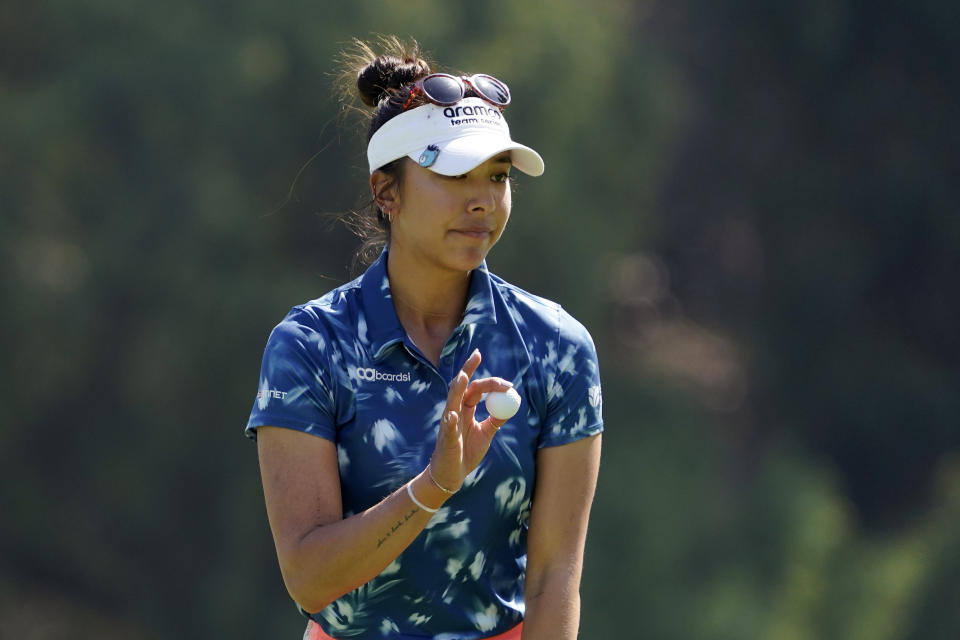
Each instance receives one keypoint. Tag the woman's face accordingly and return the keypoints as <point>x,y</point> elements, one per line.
<point>452,222</point>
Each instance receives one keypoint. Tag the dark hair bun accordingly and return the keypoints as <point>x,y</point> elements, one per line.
<point>387,73</point>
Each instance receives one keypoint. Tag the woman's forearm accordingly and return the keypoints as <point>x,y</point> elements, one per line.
<point>566,477</point>
<point>334,559</point>
<point>554,612</point>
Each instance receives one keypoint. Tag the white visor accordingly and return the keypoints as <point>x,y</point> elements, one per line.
<point>450,140</point>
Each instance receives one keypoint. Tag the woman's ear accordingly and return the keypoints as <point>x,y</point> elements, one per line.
<point>384,189</point>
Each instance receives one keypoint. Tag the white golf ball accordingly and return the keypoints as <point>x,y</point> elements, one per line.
<point>502,405</point>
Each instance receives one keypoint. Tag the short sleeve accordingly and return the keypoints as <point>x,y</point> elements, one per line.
<point>574,399</point>
<point>295,389</point>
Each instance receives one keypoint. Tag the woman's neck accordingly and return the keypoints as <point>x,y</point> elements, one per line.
<point>429,301</point>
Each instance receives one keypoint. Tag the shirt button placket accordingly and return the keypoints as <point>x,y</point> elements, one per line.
<point>446,364</point>
<point>449,359</point>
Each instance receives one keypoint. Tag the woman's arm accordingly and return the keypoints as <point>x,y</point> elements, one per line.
<point>322,555</point>
<point>566,479</point>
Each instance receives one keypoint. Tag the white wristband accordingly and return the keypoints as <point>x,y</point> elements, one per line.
<point>417,502</point>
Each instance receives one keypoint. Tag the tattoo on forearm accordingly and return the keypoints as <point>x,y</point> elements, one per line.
<point>396,525</point>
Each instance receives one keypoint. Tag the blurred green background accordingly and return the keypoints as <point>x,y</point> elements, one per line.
<point>751,205</point>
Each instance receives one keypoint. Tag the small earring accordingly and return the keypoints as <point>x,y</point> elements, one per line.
<point>389,214</point>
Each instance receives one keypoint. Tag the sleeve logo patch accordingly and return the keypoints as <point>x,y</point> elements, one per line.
<point>595,397</point>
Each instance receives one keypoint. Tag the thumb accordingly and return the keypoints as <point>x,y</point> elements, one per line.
<point>491,425</point>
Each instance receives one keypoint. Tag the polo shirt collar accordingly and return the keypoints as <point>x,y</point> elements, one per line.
<point>383,327</point>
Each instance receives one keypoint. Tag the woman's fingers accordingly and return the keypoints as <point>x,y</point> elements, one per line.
<point>474,393</point>
<point>447,459</point>
<point>473,361</point>
<point>459,384</point>
<point>451,421</point>
<point>458,387</point>
<point>458,450</point>
<point>449,442</point>
<point>477,388</point>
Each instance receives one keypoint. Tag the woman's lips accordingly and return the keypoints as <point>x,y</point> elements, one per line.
<point>473,232</point>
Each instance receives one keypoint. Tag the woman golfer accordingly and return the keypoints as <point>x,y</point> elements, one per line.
<point>399,508</point>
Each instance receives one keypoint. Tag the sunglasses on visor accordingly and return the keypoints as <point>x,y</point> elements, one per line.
<point>445,90</point>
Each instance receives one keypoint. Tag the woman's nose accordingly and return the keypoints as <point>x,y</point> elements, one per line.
<point>482,199</point>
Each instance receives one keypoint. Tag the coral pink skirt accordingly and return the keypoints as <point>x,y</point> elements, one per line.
<point>315,632</point>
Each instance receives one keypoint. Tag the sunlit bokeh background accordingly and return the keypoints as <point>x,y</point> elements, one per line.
<point>751,205</point>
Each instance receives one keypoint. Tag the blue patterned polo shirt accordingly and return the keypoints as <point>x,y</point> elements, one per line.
<point>342,367</point>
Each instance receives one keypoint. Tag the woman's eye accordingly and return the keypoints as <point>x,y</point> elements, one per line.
<point>501,177</point>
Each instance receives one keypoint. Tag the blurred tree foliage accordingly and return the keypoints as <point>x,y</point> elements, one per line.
<point>748,203</point>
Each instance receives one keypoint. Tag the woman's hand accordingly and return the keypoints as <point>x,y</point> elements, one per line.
<point>461,440</point>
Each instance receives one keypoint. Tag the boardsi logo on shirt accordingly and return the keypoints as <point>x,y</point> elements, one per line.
<point>369,374</point>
